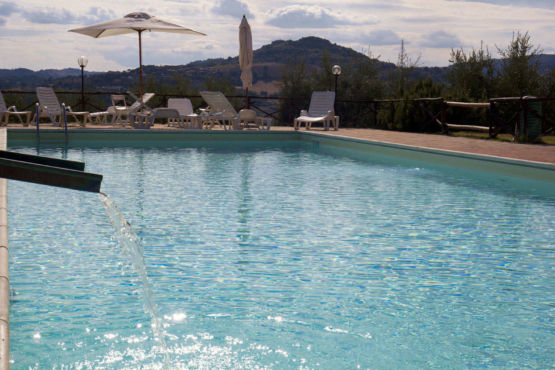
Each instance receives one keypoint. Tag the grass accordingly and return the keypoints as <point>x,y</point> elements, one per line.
<point>546,140</point>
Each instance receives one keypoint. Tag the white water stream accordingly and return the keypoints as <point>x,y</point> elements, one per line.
<point>132,247</point>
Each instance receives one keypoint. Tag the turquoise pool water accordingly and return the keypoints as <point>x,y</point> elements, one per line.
<point>279,255</point>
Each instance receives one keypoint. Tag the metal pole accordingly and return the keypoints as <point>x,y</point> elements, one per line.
<point>64,114</point>
<point>140,67</point>
<point>83,88</point>
<point>37,115</point>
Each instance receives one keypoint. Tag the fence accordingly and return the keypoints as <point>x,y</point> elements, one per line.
<point>511,115</point>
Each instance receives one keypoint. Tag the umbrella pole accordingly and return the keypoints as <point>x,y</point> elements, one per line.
<point>140,67</point>
<point>247,98</point>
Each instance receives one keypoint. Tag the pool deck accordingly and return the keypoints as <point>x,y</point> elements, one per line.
<point>525,152</point>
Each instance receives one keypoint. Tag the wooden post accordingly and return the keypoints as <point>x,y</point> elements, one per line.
<point>444,126</point>
<point>516,136</point>
<point>375,106</point>
<point>491,111</point>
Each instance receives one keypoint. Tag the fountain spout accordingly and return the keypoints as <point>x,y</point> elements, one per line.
<point>48,171</point>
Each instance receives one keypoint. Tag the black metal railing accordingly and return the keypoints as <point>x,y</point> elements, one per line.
<point>503,115</point>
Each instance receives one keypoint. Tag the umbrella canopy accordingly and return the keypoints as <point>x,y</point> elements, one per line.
<point>245,53</point>
<point>131,23</point>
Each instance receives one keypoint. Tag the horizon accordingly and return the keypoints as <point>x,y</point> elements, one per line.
<point>35,33</point>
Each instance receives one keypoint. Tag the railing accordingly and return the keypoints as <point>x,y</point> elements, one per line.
<point>504,115</point>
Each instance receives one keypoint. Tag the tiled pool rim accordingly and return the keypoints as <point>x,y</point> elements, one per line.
<point>480,162</point>
<point>497,165</point>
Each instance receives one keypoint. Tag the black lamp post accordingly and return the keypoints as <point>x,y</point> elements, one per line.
<point>336,70</point>
<point>82,61</point>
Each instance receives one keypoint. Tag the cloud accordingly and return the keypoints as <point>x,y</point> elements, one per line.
<point>64,16</point>
<point>234,8</point>
<point>383,37</point>
<point>442,39</point>
<point>7,9</point>
<point>304,16</point>
<point>49,16</point>
<point>97,15</point>
<point>542,4</point>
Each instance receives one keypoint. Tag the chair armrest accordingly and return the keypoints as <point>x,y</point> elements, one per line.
<point>304,112</point>
<point>12,109</point>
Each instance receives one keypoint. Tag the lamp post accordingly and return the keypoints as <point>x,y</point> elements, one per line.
<point>336,70</point>
<point>82,61</point>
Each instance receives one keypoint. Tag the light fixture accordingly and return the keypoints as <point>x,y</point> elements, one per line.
<point>82,61</point>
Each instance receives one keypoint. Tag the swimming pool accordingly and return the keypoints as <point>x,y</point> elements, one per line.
<point>279,254</point>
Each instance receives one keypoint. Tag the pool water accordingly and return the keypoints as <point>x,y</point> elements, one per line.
<point>279,255</point>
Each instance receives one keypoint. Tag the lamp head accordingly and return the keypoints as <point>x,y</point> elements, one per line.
<point>336,70</point>
<point>82,61</point>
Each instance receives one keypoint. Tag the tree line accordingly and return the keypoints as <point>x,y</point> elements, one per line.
<point>473,76</point>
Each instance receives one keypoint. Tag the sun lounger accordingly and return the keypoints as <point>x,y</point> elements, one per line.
<point>249,119</point>
<point>50,107</point>
<point>221,111</point>
<point>6,112</point>
<point>187,117</point>
<point>146,120</point>
<point>122,111</point>
<point>320,110</point>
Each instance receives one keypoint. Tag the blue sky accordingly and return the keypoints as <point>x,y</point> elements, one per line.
<point>34,34</point>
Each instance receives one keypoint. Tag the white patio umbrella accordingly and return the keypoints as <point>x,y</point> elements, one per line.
<point>245,55</point>
<point>131,23</point>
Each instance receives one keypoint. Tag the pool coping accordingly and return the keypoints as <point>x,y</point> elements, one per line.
<point>521,168</point>
<point>4,267</point>
<point>541,171</point>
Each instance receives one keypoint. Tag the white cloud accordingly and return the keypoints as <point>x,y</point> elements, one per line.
<point>384,37</point>
<point>305,16</point>
<point>543,4</point>
<point>441,40</point>
<point>234,8</point>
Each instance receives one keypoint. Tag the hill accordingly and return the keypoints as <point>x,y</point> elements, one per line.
<point>270,62</point>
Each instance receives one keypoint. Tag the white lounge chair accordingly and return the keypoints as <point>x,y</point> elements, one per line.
<point>146,120</point>
<point>6,112</point>
<point>50,107</point>
<point>188,118</point>
<point>320,110</point>
<point>122,111</point>
<point>249,119</point>
<point>220,111</point>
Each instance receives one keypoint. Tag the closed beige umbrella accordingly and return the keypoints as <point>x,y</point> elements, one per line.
<point>245,55</point>
<point>131,23</point>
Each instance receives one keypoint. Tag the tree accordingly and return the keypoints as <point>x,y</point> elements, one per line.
<point>520,72</point>
<point>471,77</point>
<point>400,77</point>
<point>295,88</point>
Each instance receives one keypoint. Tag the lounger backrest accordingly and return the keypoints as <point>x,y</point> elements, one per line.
<point>146,98</point>
<point>183,106</point>
<point>321,103</point>
<point>119,101</point>
<point>218,102</point>
<point>3,107</point>
<point>48,100</point>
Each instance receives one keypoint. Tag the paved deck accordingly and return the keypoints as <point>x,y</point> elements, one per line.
<point>526,152</point>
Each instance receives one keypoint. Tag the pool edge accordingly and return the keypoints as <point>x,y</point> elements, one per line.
<point>4,267</point>
<point>540,171</point>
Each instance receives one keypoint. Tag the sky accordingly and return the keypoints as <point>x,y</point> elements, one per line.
<point>34,33</point>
